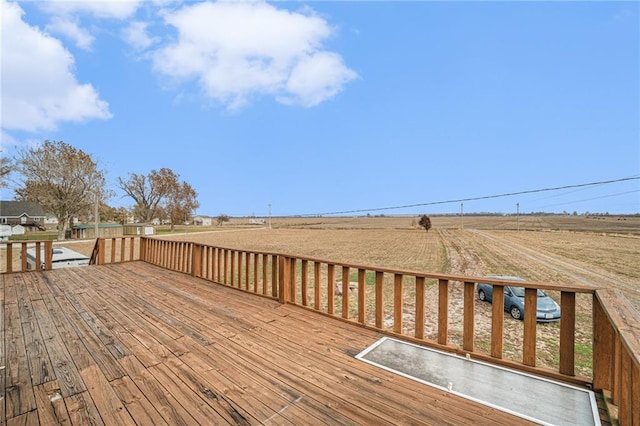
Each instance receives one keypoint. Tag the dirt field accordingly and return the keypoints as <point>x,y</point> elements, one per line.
<point>600,252</point>
<point>567,250</point>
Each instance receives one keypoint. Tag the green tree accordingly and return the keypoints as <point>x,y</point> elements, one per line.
<point>64,180</point>
<point>425,222</point>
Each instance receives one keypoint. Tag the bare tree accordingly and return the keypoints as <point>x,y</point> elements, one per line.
<point>222,219</point>
<point>181,203</point>
<point>160,194</point>
<point>425,222</point>
<point>6,167</point>
<point>64,180</point>
<point>148,192</point>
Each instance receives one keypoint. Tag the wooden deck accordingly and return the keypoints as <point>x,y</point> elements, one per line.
<point>133,343</point>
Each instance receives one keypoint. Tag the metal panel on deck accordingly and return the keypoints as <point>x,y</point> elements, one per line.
<point>537,399</point>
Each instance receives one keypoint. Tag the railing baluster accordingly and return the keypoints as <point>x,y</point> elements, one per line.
<point>397,303</point>
<point>292,280</point>
<point>304,281</point>
<point>331,288</point>
<point>530,313</point>
<point>362,295</point>
<point>38,256</point>
<point>316,285</point>
<point>443,311</point>
<point>274,275</point>
<point>497,321</point>
<point>9,263</point>
<point>256,263</point>
<point>419,319</point>
<point>379,299</point>
<point>567,333</point>
<point>345,292</point>
<point>468,332</point>
<point>265,273</point>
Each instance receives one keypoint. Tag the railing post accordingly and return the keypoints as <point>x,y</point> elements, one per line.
<point>101,248</point>
<point>603,347</point>
<point>9,268</point>
<point>567,333</point>
<point>48,255</point>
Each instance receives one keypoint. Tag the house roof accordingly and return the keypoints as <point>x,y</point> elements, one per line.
<point>19,208</point>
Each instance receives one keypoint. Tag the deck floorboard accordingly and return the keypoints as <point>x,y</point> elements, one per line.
<point>133,343</point>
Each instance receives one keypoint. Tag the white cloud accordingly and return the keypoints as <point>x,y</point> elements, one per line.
<point>66,16</point>
<point>317,77</point>
<point>115,9</point>
<point>137,36</point>
<point>236,50</point>
<point>71,30</point>
<point>39,89</point>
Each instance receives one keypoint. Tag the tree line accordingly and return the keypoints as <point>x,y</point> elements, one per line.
<point>68,183</point>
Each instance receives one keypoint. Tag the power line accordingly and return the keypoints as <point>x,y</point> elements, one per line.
<point>486,197</point>
<point>594,198</point>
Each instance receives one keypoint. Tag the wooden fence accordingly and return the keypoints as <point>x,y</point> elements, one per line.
<point>393,302</point>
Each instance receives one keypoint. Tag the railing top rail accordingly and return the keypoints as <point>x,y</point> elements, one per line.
<point>451,277</point>
<point>624,318</point>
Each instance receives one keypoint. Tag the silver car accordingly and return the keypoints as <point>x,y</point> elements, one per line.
<point>547,309</point>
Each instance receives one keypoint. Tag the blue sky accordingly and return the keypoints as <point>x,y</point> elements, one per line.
<point>320,107</point>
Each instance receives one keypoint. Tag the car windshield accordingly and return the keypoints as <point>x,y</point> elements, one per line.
<point>519,292</point>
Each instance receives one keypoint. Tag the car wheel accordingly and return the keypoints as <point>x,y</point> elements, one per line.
<point>481,295</point>
<point>515,312</point>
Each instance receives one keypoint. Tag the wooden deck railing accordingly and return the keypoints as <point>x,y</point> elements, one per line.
<point>120,249</point>
<point>14,255</point>
<point>394,302</point>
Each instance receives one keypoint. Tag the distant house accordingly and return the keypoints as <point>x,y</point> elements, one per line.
<point>256,221</point>
<point>202,220</point>
<point>29,215</point>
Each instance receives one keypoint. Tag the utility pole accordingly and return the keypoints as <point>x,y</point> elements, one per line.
<point>461,215</point>
<point>518,216</point>
<point>269,215</point>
